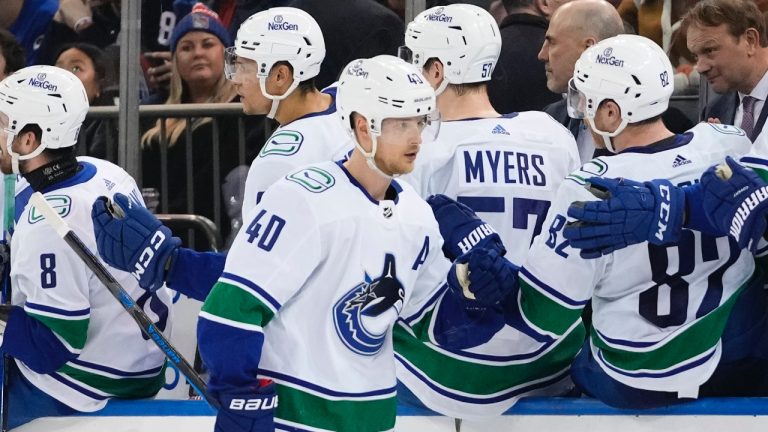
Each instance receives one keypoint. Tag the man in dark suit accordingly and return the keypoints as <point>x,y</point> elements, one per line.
<point>573,28</point>
<point>518,82</point>
<point>730,41</point>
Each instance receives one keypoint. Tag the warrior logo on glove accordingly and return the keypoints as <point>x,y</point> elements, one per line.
<point>361,316</point>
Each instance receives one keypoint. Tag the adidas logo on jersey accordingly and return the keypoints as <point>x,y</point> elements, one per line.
<point>109,184</point>
<point>680,161</point>
<point>499,130</point>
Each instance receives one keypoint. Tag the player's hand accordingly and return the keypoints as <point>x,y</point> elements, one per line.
<point>627,213</point>
<point>735,201</point>
<point>489,277</point>
<point>248,411</point>
<point>132,239</point>
<point>461,229</point>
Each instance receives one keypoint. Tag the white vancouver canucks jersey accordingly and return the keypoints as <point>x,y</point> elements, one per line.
<point>313,253</point>
<point>508,170</point>
<point>53,285</point>
<point>316,137</point>
<point>658,311</point>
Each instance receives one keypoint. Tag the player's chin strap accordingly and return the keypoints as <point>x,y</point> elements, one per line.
<point>608,135</point>
<point>276,98</point>
<point>371,156</point>
<point>441,88</point>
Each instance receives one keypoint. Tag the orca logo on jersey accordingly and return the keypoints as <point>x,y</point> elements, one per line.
<point>360,315</point>
<point>745,209</point>
<point>148,253</point>
<point>664,207</point>
<point>61,203</point>
<point>473,238</point>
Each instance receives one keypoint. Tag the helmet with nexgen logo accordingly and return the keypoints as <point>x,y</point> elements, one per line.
<point>274,35</point>
<point>465,38</point>
<point>48,96</point>
<point>631,70</point>
<point>379,88</point>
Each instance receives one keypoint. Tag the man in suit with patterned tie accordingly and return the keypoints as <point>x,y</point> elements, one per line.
<point>730,42</point>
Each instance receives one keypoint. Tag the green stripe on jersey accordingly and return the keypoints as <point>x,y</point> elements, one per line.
<point>465,375</point>
<point>234,303</point>
<point>129,388</point>
<point>74,332</point>
<point>544,312</point>
<point>347,415</point>
<point>701,336</point>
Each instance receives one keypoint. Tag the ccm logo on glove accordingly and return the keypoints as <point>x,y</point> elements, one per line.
<point>663,211</point>
<point>253,404</point>
<point>746,208</point>
<point>467,243</point>
<point>149,252</point>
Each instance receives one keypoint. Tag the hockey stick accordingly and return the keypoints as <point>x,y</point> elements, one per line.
<point>146,325</point>
<point>9,186</point>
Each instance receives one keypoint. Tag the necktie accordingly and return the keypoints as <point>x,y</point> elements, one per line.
<point>748,115</point>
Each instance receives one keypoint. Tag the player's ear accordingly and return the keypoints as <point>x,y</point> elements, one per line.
<point>282,76</point>
<point>360,127</point>
<point>588,42</point>
<point>26,142</point>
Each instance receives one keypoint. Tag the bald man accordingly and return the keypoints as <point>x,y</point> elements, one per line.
<point>573,28</point>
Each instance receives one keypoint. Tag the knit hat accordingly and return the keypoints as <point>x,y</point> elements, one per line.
<point>200,19</point>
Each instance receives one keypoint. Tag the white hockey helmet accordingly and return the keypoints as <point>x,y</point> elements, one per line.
<point>48,96</point>
<point>379,88</point>
<point>631,70</point>
<point>281,34</point>
<point>464,37</point>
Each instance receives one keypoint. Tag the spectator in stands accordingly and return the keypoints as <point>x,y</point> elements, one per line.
<point>572,29</point>
<point>11,54</point>
<point>197,44</point>
<point>28,20</point>
<point>519,82</point>
<point>89,64</point>
<point>352,29</point>
<point>730,42</point>
<point>660,21</point>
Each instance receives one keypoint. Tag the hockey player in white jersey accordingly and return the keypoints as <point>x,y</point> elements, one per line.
<point>663,328</point>
<point>73,344</point>
<point>276,56</point>
<point>506,168</point>
<point>334,254</point>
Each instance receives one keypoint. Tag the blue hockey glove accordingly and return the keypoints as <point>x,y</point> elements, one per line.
<point>627,213</point>
<point>487,278</point>
<point>461,229</point>
<point>736,202</point>
<point>130,238</point>
<point>248,411</point>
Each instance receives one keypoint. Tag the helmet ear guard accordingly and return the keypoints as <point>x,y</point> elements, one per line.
<point>465,38</point>
<point>282,34</point>
<point>50,97</point>
<point>630,70</point>
<point>380,88</point>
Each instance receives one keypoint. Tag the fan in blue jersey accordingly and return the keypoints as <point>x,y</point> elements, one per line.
<point>74,346</point>
<point>671,320</point>
<point>507,168</point>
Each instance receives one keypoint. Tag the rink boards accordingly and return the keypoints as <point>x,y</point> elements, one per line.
<point>531,415</point>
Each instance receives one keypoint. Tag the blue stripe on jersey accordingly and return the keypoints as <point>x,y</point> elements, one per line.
<point>279,426</point>
<point>483,204</point>
<point>257,289</point>
<point>79,389</point>
<point>32,342</point>
<point>113,371</point>
<point>754,160</point>
<point>326,391</point>
<point>409,320</point>
<point>57,311</point>
<point>488,357</point>
<point>478,400</point>
<point>675,141</point>
<point>625,342</point>
<point>664,374</point>
<point>364,191</point>
<point>551,291</point>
